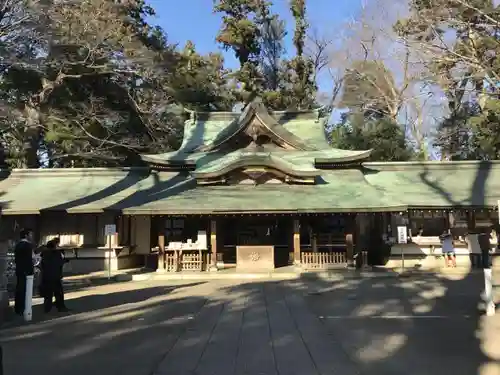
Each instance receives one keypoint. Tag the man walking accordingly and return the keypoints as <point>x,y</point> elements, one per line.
<point>23,258</point>
<point>52,273</point>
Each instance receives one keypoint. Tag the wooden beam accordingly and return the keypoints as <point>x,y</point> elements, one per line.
<point>296,242</point>
<point>213,244</point>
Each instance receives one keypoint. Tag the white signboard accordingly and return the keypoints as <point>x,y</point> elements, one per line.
<point>402,234</point>
<point>109,229</point>
<point>202,239</point>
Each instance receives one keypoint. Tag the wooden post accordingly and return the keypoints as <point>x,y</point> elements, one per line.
<point>119,230</point>
<point>161,255</point>
<point>349,243</point>
<point>314,241</point>
<point>296,242</point>
<point>471,221</point>
<point>213,244</point>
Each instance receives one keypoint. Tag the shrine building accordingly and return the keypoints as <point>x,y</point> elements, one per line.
<point>255,190</point>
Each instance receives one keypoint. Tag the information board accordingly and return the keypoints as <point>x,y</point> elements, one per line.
<point>109,229</point>
<point>402,234</point>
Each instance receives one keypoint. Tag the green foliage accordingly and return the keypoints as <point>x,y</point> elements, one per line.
<point>102,87</point>
<point>241,31</point>
<point>272,49</point>
<point>385,137</point>
<point>256,37</point>
<point>201,82</point>
<point>472,132</point>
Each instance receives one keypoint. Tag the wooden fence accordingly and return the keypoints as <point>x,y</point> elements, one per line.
<point>187,262</point>
<point>332,259</point>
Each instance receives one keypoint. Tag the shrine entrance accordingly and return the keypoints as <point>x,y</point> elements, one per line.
<point>256,242</point>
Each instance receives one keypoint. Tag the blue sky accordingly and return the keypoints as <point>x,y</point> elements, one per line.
<point>194,20</point>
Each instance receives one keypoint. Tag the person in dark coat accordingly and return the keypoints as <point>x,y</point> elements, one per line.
<point>23,258</point>
<point>52,273</point>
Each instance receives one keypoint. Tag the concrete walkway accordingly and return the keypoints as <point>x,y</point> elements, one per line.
<point>214,328</point>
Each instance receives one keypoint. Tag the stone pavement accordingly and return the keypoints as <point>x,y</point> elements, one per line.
<point>418,325</point>
<point>428,325</point>
<point>214,328</point>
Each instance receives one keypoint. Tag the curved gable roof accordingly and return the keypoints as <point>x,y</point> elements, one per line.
<point>257,109</point>
<point>230,162</point>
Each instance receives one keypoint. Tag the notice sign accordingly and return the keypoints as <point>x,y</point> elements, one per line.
<point>109,229</point>
<point>402,234</point>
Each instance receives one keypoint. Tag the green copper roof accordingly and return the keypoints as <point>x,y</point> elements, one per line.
<point>199,159</point>
<point>438,184</point>
<point>88,190</point>
<point>257,109</point>
<point>306,125</point>
<point>375,187</point>
<point>235,160</point>
<point>205,132</point>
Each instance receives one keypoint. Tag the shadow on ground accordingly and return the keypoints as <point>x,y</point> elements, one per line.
<point>424,324</point>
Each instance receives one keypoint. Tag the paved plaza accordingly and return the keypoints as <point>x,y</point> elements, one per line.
<point>418,325</point>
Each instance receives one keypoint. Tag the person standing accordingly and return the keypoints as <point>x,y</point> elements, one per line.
<point>52,273</point>
<point>448,249</point>
<point>23,258</point>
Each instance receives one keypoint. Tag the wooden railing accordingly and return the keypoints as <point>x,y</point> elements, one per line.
<point>170,262</point>
<point>187,262</point>
<point>322,260</point>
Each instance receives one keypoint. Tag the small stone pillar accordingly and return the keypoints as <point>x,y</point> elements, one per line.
<point>296,242</point>
<point>213,245</point>
<point>349,243</point>
<point>161,253</point>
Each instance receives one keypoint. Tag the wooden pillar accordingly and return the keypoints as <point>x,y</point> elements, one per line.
<point>161,254</point>
<point>349,243</point>
<point>314,240</point>
<point>119,229</point>
<point>38,229</point>
<point>471,221</point>
<point>213,244</point>
<point>296,242</point>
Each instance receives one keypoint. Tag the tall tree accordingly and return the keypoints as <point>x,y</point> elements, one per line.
<point>370,88</point>
<point>273,63</point>
<point>201,82</point>
<point>20,42</point>
<point>300,69</point>
<point>95,93</point>
<point>373,102</point>
<point>272,52</point>
<point>460,39</point>
<point>241,32</point>
<point>385,137</point>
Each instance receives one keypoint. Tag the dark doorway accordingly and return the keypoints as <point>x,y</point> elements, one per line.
<point>258,230</point>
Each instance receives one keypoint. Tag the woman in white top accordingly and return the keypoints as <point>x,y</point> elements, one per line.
<point>448,249</point>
